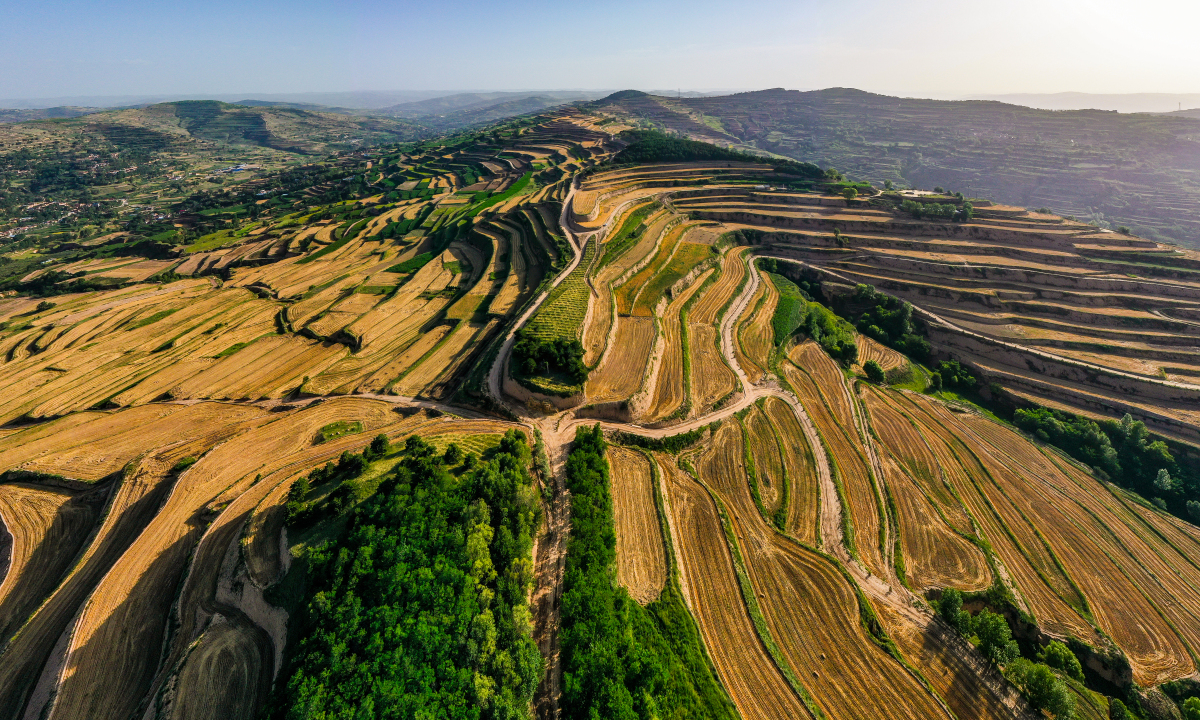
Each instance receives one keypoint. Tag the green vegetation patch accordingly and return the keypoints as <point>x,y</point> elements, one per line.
<point>335,430</point>
<point>412,264</point>
<point>561,315</point>
<point>648,146</point>
<point>415,605</point>
<point>630,232</point>
<point>688,256</point>
<point>494,200</point>
<point>150,319</point>
<point>797,313</point>
<point>349,234</point>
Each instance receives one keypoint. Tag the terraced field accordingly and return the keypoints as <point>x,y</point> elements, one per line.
<point>153,430</point>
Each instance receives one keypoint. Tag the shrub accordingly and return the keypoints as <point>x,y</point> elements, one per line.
<point>1042,688</point>
<point>453,454</point>
<point>412,264</point>
<point>874,371</point>
<point>672,444</point>
<point>955,376</point>
<point>950,608</point>
<point>1191,709</point>
<point>1118,711</point>
<point>995,637</point>
<point>1080,437</point>
<point>938,211</point>
<point>883,318</point>
<point>379,447</point>
<point>1058,656</point>
<point>183,464</point>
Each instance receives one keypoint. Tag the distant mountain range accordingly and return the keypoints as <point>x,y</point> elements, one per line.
<point>1126,103</point>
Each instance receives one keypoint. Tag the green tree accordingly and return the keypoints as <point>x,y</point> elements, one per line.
<point>1058,656</point>
<point>297,495</point>
<point>995,637</point>
<point>379,446</point>
<point>453,454</point>
<point>1042,688</point>
<point>874,371</point>
<point>1193,509</point>
<point>950,608</point>
<point>1118,711</point>
<point>1191,709</point>
<point>1163,481</point>
<point>850,193</point>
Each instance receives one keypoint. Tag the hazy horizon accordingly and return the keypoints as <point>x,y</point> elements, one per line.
<point>376,99</point>
<point>69,48</point>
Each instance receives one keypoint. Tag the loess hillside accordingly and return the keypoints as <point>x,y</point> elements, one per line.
<point>1138,170</point>
<point>555,419</point>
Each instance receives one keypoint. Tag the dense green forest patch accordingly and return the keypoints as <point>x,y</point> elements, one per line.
<point>419,607</point>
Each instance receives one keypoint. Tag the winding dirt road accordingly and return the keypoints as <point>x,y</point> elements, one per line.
<point>558,432</point>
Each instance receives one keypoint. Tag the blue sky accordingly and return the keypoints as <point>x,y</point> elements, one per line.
<point>928,47</point>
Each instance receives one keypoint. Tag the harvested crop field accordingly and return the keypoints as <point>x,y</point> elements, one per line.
<point>49,527</point>
<point>621,373</point>
<point>707,575</point>
<point>971,688</point>
<point>804,492</point>
<point>130,606</point>
<point>224,677</point>
<point>641,558</point>
<point>733,273</point>
<point>755,335</point>
<point>670,390</point>
<point>887,358</point>
<point>810,608</point>
<point>1134,572</point>
<point>711,377</point>
<point>820,398</point>
<point>768,462</point>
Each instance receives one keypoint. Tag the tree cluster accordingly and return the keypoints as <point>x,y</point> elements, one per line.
<point>951,375</point>
<point>646,146</point>
<point>885,319</point>
<point>535,355</point>
<point>419,608</point>
<point>796,311</point>
<point>938,211</point>
<point>1039,682</point>
<point>1121,451</point>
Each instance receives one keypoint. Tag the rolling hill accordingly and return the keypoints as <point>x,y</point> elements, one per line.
<point>561,417</point>
<point>1136,170</point>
